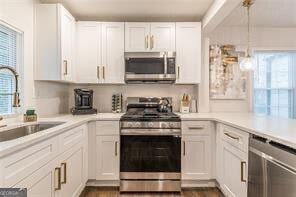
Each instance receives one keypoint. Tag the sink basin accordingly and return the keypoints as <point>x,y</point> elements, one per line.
<point>26,130</point>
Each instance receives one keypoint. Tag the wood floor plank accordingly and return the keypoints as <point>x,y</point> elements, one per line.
<point>114,192</point>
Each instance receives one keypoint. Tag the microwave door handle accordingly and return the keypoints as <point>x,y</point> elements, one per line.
<point>165,61</point>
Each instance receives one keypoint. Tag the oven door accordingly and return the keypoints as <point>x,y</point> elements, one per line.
<point>150,69</point>
<point>150,155</point>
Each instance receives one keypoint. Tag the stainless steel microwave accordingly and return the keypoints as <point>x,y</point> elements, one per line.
<point>150,68</point>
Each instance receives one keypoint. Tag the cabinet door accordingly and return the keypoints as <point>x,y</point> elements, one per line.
<point>137,37</point>
<point>89,57</point>
<point>162,37</point>
<point>234,171</point>
<point>72,172</point>
<point>196,151</point>
<point>188,52</point>
<point>67,27</point>
<point>107,157</point>
<point>41,183</point>
<point>113,52</point>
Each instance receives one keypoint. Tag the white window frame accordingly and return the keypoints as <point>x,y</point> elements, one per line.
<point>251,82</point>
<point>19,68</point>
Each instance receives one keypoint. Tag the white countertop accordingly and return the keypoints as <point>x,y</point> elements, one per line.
<point>71,121</point>
<point>277,129</point>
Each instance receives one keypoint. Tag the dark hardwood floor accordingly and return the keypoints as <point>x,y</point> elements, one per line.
<point>113,192</point>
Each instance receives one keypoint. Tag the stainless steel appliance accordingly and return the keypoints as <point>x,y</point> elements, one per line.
<point>83,102</point>
<point>272,169</point>
<point>150,67</point>
<point>150,146</point>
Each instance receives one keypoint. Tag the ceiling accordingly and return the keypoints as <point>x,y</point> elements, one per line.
<point>136,10</point>
<point>265,13</point>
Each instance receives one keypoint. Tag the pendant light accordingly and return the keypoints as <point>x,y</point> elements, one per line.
<point>248,63</point>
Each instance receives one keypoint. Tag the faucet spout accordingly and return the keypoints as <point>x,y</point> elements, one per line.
<point>16,94</point>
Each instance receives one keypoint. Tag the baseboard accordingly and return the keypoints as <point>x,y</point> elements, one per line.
<point>103,183</point>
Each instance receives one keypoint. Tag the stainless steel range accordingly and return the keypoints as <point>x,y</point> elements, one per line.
<point>150,146</point>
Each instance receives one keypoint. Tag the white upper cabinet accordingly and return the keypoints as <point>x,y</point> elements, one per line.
<point>163,37</point>
<point>188,52</point>
<point>88,52</point>
<point>113,53</point>
<point>149,37</point>
<point>55,42</point>
<point>137,37</point>
<point>100,52</point>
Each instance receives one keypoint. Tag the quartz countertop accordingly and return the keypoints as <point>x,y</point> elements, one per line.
<point>70,122</point>
<point>277,129</point>
<point>280,130</point>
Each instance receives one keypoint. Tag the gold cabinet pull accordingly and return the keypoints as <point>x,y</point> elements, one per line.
<point>103,72</point>
<point>196,127</point>
<point>184,148</point>
<point>243,165</point>
<point>64,166</point>
<point>116,148</point>
<point>146,42</point>
<point>98,72</point>
<point>57,184</point>
<point>231,136</point>
<point>152,42</point>
<point>65,62</point>
<point>178,72</point>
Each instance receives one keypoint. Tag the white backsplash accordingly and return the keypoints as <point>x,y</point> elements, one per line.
<point>51,98</point>
<point>103,93</point>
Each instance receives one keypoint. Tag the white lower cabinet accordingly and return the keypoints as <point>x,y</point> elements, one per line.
<point>107,157</point>
<point>196,151</point>
<point>232,161</point>
<point>107,151</point>
<point>54,167</point>
<point>72,172</point>
<point>234,171</point>
<point>41,183</point>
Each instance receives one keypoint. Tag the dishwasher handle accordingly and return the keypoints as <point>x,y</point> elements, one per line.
<point>274,161</point>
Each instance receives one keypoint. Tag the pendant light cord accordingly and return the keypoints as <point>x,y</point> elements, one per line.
<point>248,48</point>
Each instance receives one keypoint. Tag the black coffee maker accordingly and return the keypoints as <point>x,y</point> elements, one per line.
<point>83,102</point>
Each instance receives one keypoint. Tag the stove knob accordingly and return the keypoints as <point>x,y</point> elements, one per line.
<point>150,124</point>
<point>172,125</point>
<point>129,124</point>
<point>138,124</point>
<point>164,125</point>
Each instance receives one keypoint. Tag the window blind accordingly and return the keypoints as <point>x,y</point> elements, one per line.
<point>8,57</point>
<point>274,84</point>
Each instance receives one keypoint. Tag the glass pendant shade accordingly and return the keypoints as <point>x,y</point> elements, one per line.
<point>247,63</point>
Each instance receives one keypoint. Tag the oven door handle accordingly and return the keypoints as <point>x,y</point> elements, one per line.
<point>173,132</point>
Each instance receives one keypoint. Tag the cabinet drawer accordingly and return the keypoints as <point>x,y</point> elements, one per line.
<point>107,128</point>
<point>196,127</point>
<point>21,164</point>
<point>72,137</point>
<point>235,137</point>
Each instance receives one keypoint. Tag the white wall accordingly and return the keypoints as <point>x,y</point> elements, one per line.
<point>103,93</point>
<point>262,38</point>
<point>20,14</point>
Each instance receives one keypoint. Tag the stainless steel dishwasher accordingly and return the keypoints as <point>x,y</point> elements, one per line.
<point>272,169</point>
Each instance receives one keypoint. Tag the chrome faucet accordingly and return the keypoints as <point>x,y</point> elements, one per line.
<point>16,94</point>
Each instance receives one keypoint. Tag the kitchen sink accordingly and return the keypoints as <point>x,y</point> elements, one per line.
<point>26,130</point>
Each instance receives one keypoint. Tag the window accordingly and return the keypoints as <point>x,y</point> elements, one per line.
<point>9,41</point>
<point>274,84</point>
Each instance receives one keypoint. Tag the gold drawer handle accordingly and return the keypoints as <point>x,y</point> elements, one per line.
<point>196,127</point>
<point>58,186</point>
<point>243,165</point>
<point>64,166</point>
<point>231,136</point>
